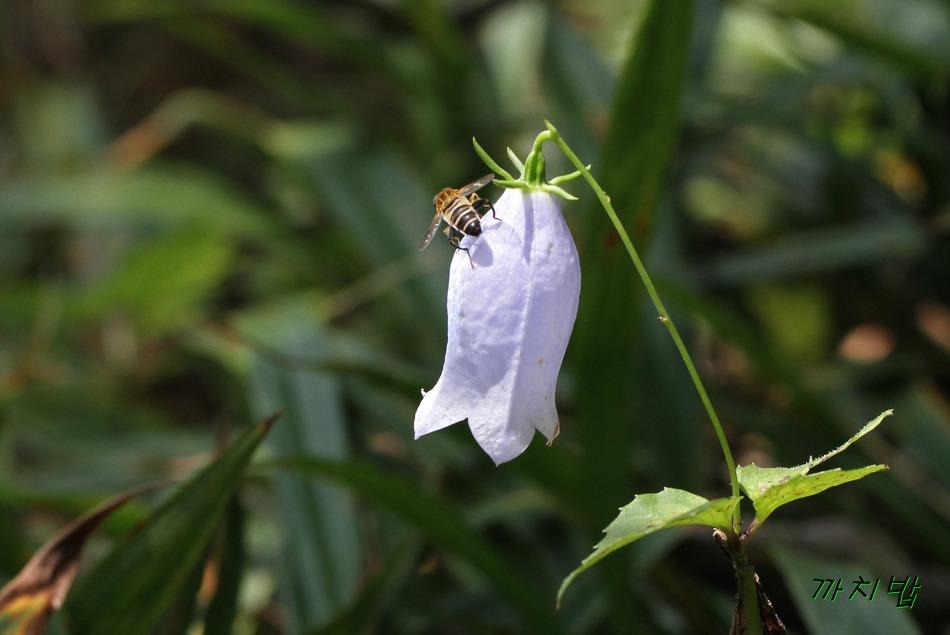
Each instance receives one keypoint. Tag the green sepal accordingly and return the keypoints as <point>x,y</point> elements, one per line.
<point>517,162</point>
<point>532,177</point>
<point>550,188</point>
<point>564,178</point>
<point>490,162</point>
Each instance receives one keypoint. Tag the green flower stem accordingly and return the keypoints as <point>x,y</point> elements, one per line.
<point>747,587</point>
<point>749,594</point>
<point>533,174</point>
<point>661,309</point>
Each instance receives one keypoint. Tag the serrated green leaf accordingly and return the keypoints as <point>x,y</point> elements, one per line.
<point>870,425</point>
<point>771,487</point>
<point>130,589</point>
<point>800,486</point>
<point>648,513</point>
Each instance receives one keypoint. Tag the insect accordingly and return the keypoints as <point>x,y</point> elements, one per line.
<point>461,209</point>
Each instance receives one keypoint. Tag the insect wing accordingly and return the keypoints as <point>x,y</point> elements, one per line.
<point>474,186</point>
<point>433,226</point>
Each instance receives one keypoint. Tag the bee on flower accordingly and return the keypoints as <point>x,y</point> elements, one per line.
<point>511,310</point>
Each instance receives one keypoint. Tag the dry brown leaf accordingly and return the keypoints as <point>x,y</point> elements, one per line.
<point>29,599</point>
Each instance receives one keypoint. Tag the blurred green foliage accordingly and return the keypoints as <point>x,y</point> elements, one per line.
<point>209,211</point>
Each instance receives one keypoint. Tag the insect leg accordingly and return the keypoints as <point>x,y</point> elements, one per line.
<point>455,239</point>
<point>480,204</point>
<point>467,253</point>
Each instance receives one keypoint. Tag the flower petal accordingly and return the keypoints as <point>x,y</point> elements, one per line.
<point>510,318</point>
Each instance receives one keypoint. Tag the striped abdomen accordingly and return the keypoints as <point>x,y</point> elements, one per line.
<point>460,215</point>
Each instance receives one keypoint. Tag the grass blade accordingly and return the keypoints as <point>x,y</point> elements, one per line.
<point>222,609</point>
<point>322,554</point>
<point>443,524</point>
<point>130,589</point>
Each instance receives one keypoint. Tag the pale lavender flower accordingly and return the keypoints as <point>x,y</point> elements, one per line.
<point>510,315</point>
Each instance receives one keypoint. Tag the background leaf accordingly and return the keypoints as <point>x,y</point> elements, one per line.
<point>231,560</point>
<point>28,600</point>
<point>141,576</point>
<point>440,522</point>
<point>206,207</point>
<point>842,616</point>
<point>321,550</point>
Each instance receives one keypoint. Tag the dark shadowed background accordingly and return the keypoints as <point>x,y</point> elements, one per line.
<point>209,211</point>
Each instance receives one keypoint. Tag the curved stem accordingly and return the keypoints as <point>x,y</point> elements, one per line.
<point>533,173</point>
<point>661,309</point>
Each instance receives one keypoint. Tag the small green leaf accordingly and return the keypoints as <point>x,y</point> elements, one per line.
<point>648,513</point>
<point>796,486</point>
<point>130,589</point>
<point>771,487</point>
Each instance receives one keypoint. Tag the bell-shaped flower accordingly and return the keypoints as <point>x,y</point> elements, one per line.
<point>512,300</point>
